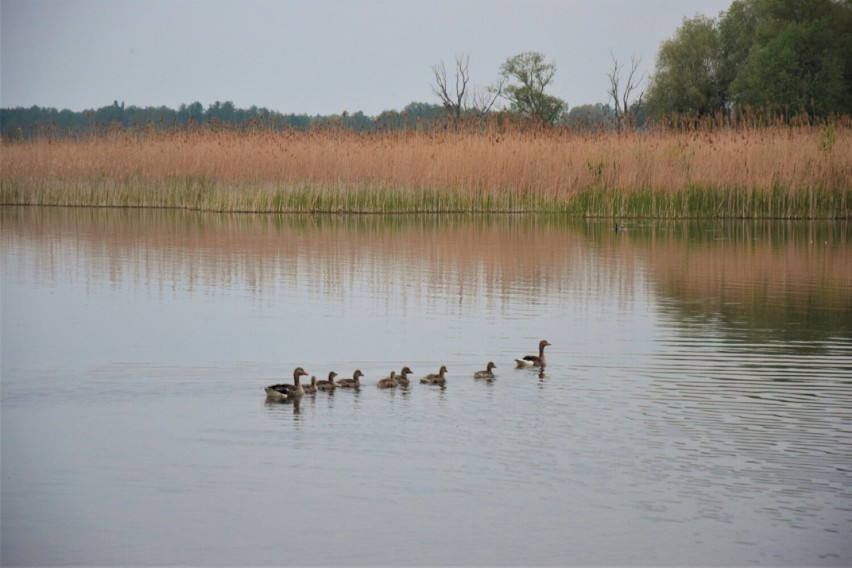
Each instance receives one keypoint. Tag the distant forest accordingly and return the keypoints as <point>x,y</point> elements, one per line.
<point>38,122</point>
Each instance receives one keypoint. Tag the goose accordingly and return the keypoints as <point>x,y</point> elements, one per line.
<point>532,360</point>
<point>284,391</point>
<point>434,379</point>
<point>487,373</point>
<point>311,388</point>
<point>329,384</point>
<point>353,383</point>
<point>388,382</point>
<point>402,377</point>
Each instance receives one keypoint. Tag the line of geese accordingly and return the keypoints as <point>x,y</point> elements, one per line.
<point>286,391</point>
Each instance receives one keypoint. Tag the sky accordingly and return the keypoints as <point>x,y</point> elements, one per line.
<point>313,57</point>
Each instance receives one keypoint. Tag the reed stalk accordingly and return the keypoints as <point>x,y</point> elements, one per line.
<point>774,172</point>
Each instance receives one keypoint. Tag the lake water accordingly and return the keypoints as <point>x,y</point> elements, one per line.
<point>696,407</point>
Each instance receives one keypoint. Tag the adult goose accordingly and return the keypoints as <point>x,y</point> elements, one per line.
<point>388,382</point>
<point>488,373</point>
<point>353,383</point>
<point>329,384</point>
<point>532,360</point>
<point>287,391</point>
<point>434,379</point>
<point>402,377</point>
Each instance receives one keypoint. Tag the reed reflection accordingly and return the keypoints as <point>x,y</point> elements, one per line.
<point>476,260</point>
<point>758,278</point>
<point>789,281</point>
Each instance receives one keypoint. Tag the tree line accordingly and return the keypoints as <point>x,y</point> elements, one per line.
<point>43,122</point>
<point>22,123</point>
<point>793,57</point>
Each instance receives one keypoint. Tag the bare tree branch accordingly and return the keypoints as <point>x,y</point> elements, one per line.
<point>632,83</point>
<point>621,98</point>
<point>614,80</point>
<point>440,86</point>
<point>483,99</point>
<point>455,100</point>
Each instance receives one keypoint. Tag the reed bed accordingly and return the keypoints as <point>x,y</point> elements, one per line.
<point>774,172</point>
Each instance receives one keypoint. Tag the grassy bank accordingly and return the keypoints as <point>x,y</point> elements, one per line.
<point>779,172</point>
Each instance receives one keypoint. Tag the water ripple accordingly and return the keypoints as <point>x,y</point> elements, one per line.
<point>754,419</point>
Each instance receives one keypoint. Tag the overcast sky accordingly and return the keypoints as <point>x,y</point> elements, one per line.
<point>314,57</point>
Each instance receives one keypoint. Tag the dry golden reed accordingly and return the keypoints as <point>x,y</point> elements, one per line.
<point>769,172</point>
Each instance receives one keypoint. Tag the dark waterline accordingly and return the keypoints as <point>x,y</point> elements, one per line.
<point>696,407</point>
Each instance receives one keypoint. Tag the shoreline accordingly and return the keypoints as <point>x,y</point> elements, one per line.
<point>692,203</point>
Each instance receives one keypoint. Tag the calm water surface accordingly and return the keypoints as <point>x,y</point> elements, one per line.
<point>696,409</point>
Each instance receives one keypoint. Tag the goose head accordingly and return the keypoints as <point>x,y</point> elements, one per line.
<point>299,372</point>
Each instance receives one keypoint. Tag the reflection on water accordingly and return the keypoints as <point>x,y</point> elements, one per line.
<point>758,281</point>
<point>695,407</point>
<point>433,256</point>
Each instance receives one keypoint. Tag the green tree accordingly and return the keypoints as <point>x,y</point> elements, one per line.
<point>688,75</point>
<point>527,75</point>
<point>359,122</point>
<point>595,117</point>
<point>799,57</point>
<point>193,112</point>
<point>109,115</point>
<point>736,33</point>
<point>423,114</point>
<point>222,112</point>
<point>789,54</point>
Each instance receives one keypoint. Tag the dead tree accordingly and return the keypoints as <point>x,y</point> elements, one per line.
<point>621,97</point>
<point>456,94</point>
<point>454,97</point>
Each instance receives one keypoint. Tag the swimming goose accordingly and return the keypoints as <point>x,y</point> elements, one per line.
<point>329,384</point>
<point>284,390</point>
<point>311,388</point>
<point>434,379</point>
<point>388,382</point>
<point>487,373</point>
<point>402,377</point>
<point>353,383</point>
<point>532,360</point>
